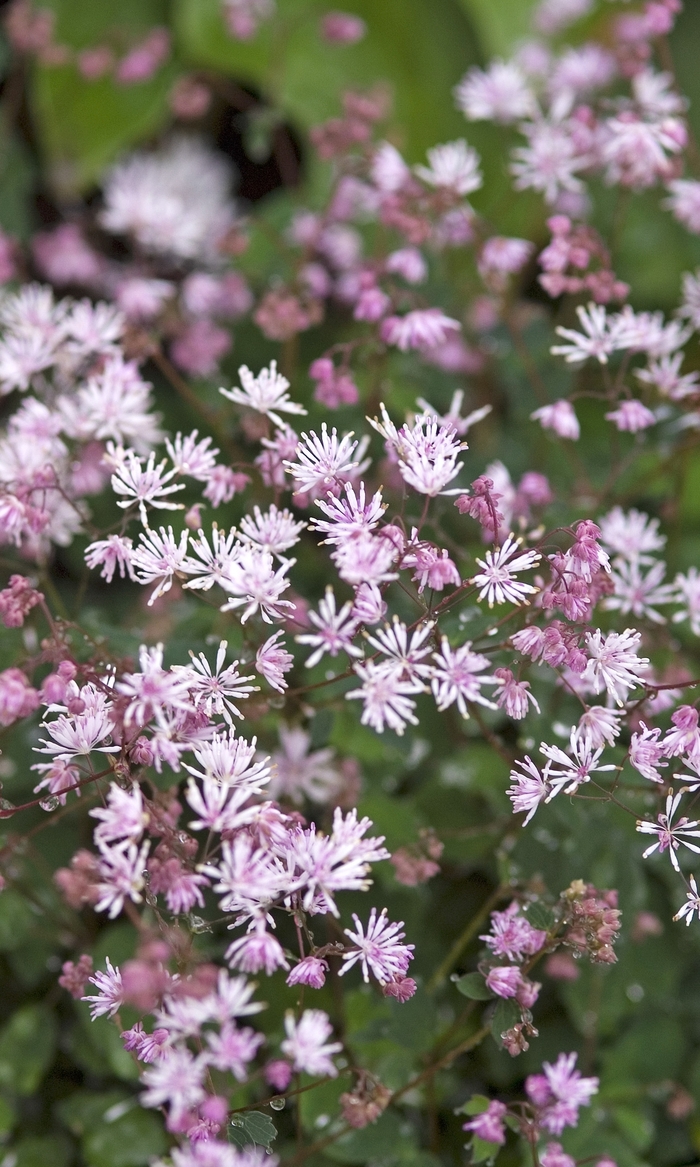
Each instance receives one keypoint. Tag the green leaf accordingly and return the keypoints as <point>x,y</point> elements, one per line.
<point>540,916</point>
<point>27,1045</point>
<point>17,175</point>
<point>8,1116</point>
<point>378,1141</point>
<point>131,1140</point>
<point>409,44</point>
<point>39,1152</point>
<point>474,986</point>
<point>477,1104</point>
<point>635,1125</point>
<point>16,919</point>
<point>482,1151</point>
<point>252,1127</point>
<point>84,126</point>
<point>318,1107</point>
<point>506,1014</point>
<point>500,25</point>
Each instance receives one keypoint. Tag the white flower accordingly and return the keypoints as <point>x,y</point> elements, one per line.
<point>176,200</point>
<point>499,567</point>
<point>692,905</point>
<point>457,677</point>
<point>335,630</point>
<point>266,393</point>
<point>638,593</point>
<point>305,1042</point>
<point>567,773</point>
<point>387,699</point>
<point>150,484</point>
<point>500,94</point>
<point>631,534</point>
<point>322,461</point>
<point>453,166</point>
<point>614,662</point>
<point>669,837</point>
<point>596,340</point>
<point>159,557</point>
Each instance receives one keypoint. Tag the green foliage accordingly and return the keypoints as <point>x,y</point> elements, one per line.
<point>113,1130</point>
<point>27,1046</point>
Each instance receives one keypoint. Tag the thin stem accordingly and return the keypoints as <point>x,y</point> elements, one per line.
<point>443,969</point>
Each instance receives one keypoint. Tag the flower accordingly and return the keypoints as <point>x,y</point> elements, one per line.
<point>387,698</point>
<point>691,907</point>
<point>489,1124</point>
<point>173,201</point>
<point>322,461</point>
<point>529,789</point>
<point>378,948</point>
<point>266,393</point>
<point>613,662</point>
<point>454,166</point>
<point>499,567</point>
<point>336,630</point>
<point>423,328</point>
<point>500,93</point>
<point>456,677</point>
<point>559,417</point>
<point>110,996</point>
<point>305,1043</point>
<point>669,837</point>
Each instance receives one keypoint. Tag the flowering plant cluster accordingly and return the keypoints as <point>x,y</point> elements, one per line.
<point>335,645</point>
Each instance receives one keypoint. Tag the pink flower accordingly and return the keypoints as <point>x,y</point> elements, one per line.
<point>145,59</point>
<point>64,257</point>
<point>278,1074</point>
<point>559,1093</point>
<point>377,948</point>
<point>554,1155</point>
<point>424,328</point>
<point>272,661</point>
<point>17,697</point>
<point>560,418</point>
<point>342,28</point>
<point>310,971</point>
<point>489,1124</point>
<point>17,600</point>
<point>401,989</point>
<point>200,347</point>
<point>504,981</point>
<point>257,951</point>
<point>631,416</point>
<point>232,1048</point>
<point>512,935</point>
<point>514,696</point>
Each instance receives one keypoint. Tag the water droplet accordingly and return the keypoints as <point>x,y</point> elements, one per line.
<point>6,808</point>
<point>277,1103</point>
<point>197,924</point>
<point>49,803</point>
<point>150,899</point>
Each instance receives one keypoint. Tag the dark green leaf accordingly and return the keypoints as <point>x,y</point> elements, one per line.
<point>40,1152</point>
<point>541,916</point>
<point>474,986</point>
<point>27,1045</point>
<point>253,1127</point>
<point>506,1015</point>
